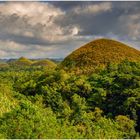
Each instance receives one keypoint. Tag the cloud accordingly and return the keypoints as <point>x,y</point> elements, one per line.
<point>15,50</point>
<point>93,8</point>
<point>118,20</point>
<point>37,12</point>
<point>88,17</point>
<point>33,22</point>
<point>30,19</point>
<point>53,29</point>
<point>10,48</point>
<point>131,26</point>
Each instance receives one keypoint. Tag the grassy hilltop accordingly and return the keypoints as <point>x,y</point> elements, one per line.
<point>98,54</point>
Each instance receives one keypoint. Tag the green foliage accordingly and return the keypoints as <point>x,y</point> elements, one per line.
<point>127,126</point>
<point>28,121</point>
<point>107,128</point>
<point>38,102</point>
<point>7,102</point>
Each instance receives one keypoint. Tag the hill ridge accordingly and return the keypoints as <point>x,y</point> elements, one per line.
<point>98,53</point>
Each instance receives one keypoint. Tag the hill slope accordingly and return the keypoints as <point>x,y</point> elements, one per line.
<point>45,62</point>
<point>99,53</point>
<point>22,61</point>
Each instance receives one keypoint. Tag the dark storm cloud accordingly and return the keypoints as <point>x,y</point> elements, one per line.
<point>122,21</point>
<point>104,23</point>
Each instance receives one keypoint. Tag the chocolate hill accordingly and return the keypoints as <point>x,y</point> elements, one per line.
<point>99,53</point>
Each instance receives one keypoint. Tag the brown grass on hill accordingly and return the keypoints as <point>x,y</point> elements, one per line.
<point>97,54</point>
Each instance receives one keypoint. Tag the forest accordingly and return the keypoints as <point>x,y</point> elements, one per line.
<point>38,102</point>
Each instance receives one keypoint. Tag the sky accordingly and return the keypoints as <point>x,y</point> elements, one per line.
<point>54,29</point>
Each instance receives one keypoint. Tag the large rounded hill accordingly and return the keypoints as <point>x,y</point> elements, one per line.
<point>99,53</point>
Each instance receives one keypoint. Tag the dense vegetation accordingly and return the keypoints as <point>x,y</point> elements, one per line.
<point>97,54</point>
<point>43,102</point>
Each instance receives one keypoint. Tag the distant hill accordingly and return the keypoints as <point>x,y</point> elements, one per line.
<point>10,60</point>
<point>3,65</point>
<point>44,63</point>
<point>99,53</point>
<point>3,60</point>
<point>22,61</point>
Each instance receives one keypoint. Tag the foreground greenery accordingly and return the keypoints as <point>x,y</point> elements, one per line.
<point>38,102</point>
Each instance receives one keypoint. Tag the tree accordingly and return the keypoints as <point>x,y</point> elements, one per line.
<point>28,121</point>
<point>127,126</point>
